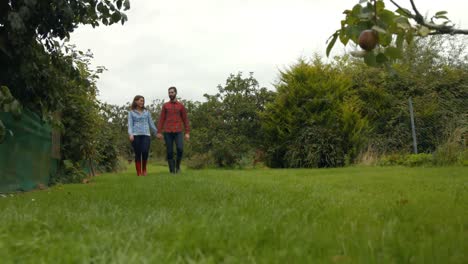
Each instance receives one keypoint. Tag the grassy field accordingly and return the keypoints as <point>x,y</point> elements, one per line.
<point>350,215</point>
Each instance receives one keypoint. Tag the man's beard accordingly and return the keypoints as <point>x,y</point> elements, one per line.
<point>172,97</point>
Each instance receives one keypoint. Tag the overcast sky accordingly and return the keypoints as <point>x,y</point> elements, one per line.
<point>195,45</point>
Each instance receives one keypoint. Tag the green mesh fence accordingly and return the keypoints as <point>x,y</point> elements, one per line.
<point>26,160</point>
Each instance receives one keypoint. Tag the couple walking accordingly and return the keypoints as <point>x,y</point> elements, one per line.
<point>173,125</point>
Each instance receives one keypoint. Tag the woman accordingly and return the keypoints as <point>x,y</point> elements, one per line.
<point>139,125</point>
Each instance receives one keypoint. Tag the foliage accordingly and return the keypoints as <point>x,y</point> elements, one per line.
<point>200,161</point>
<point>31,53</point>
<point>228,123</point>
<point>409,160</point>
<point>454,150</point>
<point>316,146</point>
<point>315,120</point>
<point>52,78</point>
<point>394,29</point>
<point>115,128</point>
<point>435,77</point>
<point>28,20</point>
<point>8,104</point>
<point>69,172</point>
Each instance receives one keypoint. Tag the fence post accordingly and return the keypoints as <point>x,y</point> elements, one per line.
<point>413,127</point>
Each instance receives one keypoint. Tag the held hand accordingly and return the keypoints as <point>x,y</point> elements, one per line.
<point>187,136</point>
<point>131,138</point>
<point>159,136</point>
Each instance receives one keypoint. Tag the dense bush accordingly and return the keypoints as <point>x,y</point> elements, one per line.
<point>315,120</point>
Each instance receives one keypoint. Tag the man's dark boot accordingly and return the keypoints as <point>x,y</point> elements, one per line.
<point>177,168</point>
<point>171,164</point>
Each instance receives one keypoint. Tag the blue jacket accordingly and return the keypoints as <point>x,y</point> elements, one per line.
<point>140,123</point>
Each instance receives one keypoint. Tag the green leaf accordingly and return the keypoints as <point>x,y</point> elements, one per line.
<point>379,29</point>
<point>394,53</point>
<point>387,17</point>
<point>343,37</point>
<point>399,40</point>
<point>356,10</point>
<point>381,58</point>
<point>402,22</point>
<point>409,37</point>
<point>380,6</point>
<point>332,42</point>
<point>440,13</point>
<point>126,4</point>
<point>119,4</point>
<point>424,31</point>
<point>111,7</point>
<point>404,12</point>
<point>385,39</point>
<point>101,8</point>
<point>124,18</point>
<point>370,59</point>
<point>115,17</point>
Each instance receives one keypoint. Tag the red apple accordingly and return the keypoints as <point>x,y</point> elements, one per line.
<point>368,39</point>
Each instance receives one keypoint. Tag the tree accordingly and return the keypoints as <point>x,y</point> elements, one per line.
<point>370,22</point>
<point>228,124</point>
<point>50,77</point>
<point>32,35</point>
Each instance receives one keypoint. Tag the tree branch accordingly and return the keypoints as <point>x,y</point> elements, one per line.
<point>402,9</point>
<point>451,31</point>
<point>439,29</point>
<point>418,17</point>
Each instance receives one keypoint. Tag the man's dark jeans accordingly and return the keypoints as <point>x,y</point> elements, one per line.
<point>170,139</point>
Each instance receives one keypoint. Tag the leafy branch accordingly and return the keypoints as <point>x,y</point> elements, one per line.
<point>390,30</point>
<point>439,29</point>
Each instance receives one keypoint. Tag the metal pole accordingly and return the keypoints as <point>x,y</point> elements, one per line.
<point>413,127</point>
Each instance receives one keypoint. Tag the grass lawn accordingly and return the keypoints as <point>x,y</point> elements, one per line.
<point>348,215</point>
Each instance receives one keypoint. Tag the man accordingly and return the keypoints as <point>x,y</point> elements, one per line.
<point>173,117</point>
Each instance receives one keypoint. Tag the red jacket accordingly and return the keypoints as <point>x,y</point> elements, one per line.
<point>173,115</point>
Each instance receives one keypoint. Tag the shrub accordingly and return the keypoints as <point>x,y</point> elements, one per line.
<point>391,159</point>
<point>316,119</point>
<point>200,161</point>
<point>415,160</point>
<point>409,160</point>
<point>454,150</point>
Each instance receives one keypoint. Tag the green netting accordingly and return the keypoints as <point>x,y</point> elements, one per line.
<point>25,158</point>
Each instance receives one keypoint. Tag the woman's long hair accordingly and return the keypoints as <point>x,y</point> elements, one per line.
<point>134,104</point>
